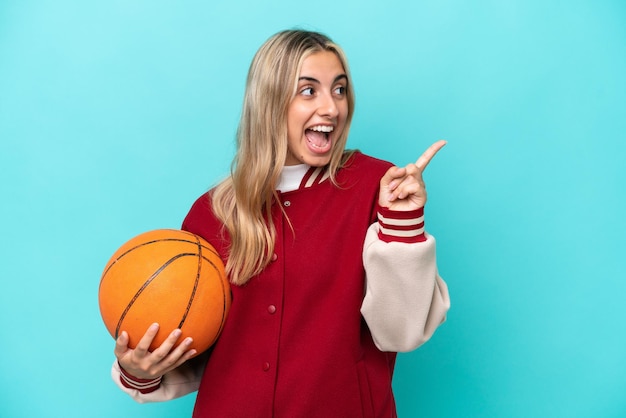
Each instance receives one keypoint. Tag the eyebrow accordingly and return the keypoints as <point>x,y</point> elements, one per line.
<point>314,80</point>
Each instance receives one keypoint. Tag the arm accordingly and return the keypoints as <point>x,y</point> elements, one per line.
<point>405,298</point>
<point>166,373</point>
<point>177,383</point>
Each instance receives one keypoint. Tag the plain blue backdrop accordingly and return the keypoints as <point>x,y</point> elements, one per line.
<point>115,115</point>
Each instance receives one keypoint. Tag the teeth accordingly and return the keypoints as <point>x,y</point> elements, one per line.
<point>322,128</point>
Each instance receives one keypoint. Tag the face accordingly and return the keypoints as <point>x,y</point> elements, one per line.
<point>317,114</point>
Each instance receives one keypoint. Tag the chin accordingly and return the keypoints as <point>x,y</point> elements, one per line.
<point>309,158</point>
<point>317,161</point>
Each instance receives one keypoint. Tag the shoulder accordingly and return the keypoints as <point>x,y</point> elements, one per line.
<point>201,220</point>
<point>365,165</point>
<point>363,160</point>
<point>200,208</point>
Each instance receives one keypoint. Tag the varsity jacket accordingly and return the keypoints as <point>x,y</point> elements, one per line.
<point>316,333</point>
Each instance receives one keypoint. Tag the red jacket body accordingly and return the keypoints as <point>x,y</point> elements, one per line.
<point>295,343</point>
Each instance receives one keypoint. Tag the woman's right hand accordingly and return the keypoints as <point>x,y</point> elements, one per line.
<point>143,364</point>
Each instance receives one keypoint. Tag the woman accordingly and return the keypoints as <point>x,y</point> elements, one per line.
<point>332,270</point>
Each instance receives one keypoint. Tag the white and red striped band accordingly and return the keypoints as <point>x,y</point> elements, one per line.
<point>142,385</point>
<point>400,226</point>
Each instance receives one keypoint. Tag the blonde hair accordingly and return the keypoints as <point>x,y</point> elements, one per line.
<point>243,201</point>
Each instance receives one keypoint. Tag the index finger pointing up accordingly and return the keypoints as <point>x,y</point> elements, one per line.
<point>428,155</point>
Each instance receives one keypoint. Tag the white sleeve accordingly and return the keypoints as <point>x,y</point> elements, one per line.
<point>175,384</point>
<point>405,298</point>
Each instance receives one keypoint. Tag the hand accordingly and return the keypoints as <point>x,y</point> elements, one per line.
<point>403,188</point>
<point>144,364</point>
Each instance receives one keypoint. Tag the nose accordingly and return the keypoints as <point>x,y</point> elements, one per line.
<point>327,106</point>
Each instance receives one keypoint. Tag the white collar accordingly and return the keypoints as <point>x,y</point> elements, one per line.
<point>291,176</point>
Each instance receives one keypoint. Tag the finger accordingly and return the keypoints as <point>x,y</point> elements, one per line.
<point>428,155</point>
<point>121,344</point>
<point>170,359</point>
<point>393,173</point>
<point>409,185</point>
<point>410,189</point>
<point>179,361</point>
<point>166,347</point>
<point>186,356</point>
<point>393,177</point>
<point>144,344</point>
<point>182,352</point>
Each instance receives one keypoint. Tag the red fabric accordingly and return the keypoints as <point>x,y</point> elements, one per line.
<point>295,343</point>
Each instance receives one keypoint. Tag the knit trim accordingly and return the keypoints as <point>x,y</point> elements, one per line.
<point>315,175</point>
<point>401,226</point>
<point>142,385</point>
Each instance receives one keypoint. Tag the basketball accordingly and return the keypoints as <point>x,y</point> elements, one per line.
<point>171,277</point>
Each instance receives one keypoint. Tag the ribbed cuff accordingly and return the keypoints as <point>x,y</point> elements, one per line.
<point>400,226</point>
<point>142,385</point>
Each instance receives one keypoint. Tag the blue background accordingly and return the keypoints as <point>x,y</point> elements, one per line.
<point>116,115</point>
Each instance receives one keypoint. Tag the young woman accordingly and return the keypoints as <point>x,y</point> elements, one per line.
<point>332,271</point>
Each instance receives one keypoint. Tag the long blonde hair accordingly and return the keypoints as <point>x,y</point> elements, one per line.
<point>243,201</point>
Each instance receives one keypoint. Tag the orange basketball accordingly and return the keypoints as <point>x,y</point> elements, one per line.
<point>167,276</point>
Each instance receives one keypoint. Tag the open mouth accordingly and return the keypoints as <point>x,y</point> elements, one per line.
<point>318,138</point>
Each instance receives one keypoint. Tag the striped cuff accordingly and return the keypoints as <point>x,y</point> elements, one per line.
<point>142,385</point>
<point>399,226</point>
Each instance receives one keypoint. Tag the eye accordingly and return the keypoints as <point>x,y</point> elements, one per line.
<point>340,90</point>
<point>307,91</point>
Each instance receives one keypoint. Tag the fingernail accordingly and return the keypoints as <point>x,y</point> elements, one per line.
<point>154,326</point>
